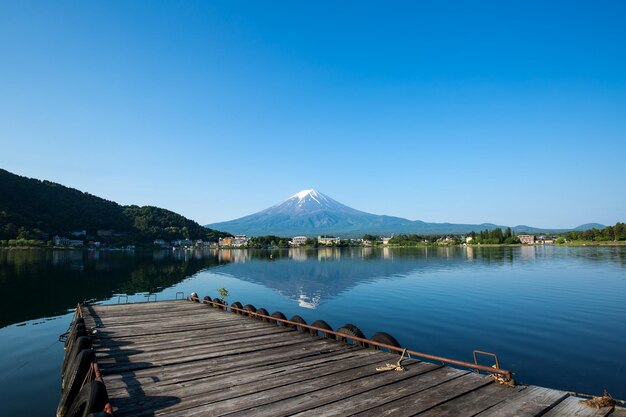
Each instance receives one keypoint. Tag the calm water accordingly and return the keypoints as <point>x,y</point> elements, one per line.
<point>555,316</point>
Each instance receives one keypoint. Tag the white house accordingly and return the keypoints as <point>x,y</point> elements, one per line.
<point>327,240</point>
<point>298,240</point>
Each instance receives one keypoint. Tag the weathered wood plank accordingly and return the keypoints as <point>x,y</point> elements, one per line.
<point>129,366</point>
<point>185,339</point>
<point>424,400</point>
<point>355,396</point>
<point>285,373</point>
<point>148,317</point>
<point>572,406</point>
<point>164,348</point>
<point>156,312</point>
<point>167,320</point>
<point>135,334</point>
<point>199,369</point>
<point>105,334</point>
<point>473,402</point>
<point>234,402</point>
<point>234,397</point>
<point>186,355</point>
<point>131,310</point>
<point>218,333</point>
<point>529,402</point>
<point>173,376</point>
<point>155,319</point>
<point>118,310</point>
<point>140,304</point>
<point>260,357</point>
<point>255,337</point>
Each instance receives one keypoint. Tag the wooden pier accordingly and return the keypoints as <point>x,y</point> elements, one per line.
<point>180,358</point>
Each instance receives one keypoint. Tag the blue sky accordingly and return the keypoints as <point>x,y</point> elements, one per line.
<point>505,112</point>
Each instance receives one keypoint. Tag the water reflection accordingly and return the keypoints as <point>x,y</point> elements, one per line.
<point>43,283</point>
<point>57,280</point>
<point>312,276</point>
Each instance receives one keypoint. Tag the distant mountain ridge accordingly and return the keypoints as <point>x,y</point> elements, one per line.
<point>588,226</point>
<point>312,213</point>
<point>35,209</point>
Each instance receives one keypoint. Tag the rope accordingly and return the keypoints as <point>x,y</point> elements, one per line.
<point>502,380</point>
<point>88,377</point>
<point>591,396</point>
<point>394,366</point>
<point>599,402</point>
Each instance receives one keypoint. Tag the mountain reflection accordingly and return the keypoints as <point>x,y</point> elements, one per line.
<point>44,283</point>
<point>311,276</point>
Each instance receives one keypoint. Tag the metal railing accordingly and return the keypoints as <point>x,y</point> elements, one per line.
<point>506,374</point>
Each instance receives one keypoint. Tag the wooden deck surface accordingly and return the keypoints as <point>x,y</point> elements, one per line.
<point>178,358</point>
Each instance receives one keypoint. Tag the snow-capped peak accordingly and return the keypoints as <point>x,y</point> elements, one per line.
<point>307,196</point>
<point>308,201</point>
<point>302,194</point>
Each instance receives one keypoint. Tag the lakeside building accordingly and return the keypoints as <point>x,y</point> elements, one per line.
<point>545,240</point>
<point>182,242</point>
<point>298,240</point>
<point>110,233</point>
<point>527,239</point>
<point>233,242</point>
<point>240,240</point>
<point>226,241</point>
<point>328,240</point>
<point>63,241</point>
<point>386,240</point>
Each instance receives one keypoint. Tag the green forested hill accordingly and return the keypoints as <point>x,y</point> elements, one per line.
<point>34,209</point>
<point>157,223</point>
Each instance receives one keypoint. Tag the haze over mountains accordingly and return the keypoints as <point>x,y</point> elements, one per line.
<point>312,213</point>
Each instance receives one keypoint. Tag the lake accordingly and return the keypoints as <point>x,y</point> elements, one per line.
<point>556,316</point>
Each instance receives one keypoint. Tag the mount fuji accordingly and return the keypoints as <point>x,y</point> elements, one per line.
<point>311,213</point>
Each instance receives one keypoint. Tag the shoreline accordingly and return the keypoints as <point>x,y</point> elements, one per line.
<point>581,243</point>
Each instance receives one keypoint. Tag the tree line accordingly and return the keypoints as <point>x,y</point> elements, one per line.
<point>615,233</point>
<point>494,237</point>
<point>269,241</point>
